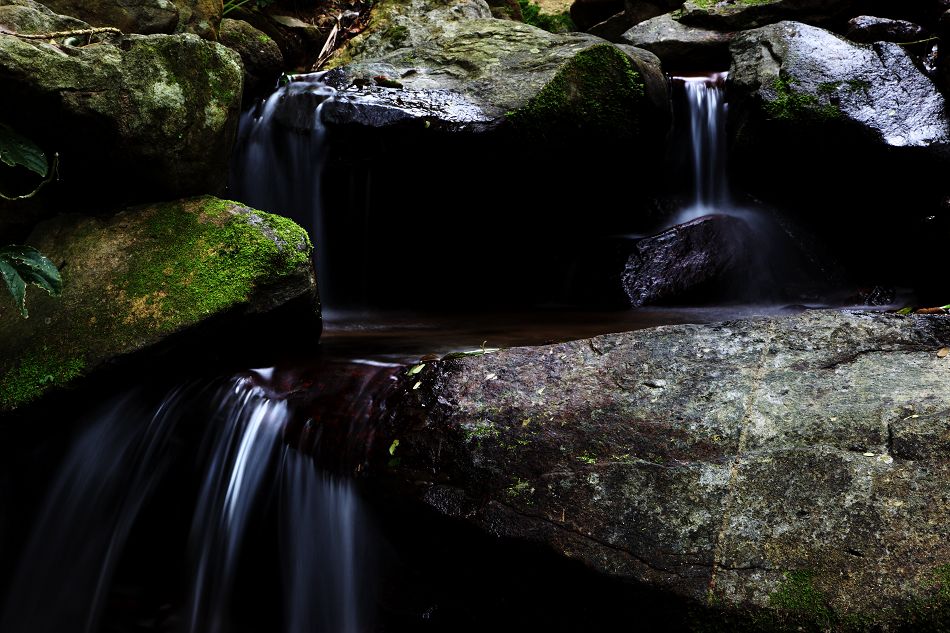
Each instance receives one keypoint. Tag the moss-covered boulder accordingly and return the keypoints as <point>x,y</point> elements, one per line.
<point>772,474</point>
<point>146,16</point>
<point>736,15</point>
<point>451,65</point>
<point>133,118</point>
<point>262,59</point>
<point>142,276</point>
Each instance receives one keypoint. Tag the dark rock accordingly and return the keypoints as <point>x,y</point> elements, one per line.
<point>706,258</point>
<point>738,15</point>
<point>878,296</point>
<point>681,46</point>
<point>132,118</point>
<point>148,274</point>
<point>634,12</point>
<point>27,16</point>
<point>868,29</point>
<point>587,13</point>
<point>300,42</point>
<point>790,471</point>
<point>146,16</point>
<point>262,59</point>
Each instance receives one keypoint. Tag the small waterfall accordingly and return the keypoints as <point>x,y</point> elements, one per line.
<point>256,475</point>
<point>706,97</point>
<point>279,156</point>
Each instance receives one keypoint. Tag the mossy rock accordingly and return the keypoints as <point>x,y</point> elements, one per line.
<point>144,275</point>
<point>136,118</point>
<point>737,15</point>
<point>454,66</point>
<point>146,17</point>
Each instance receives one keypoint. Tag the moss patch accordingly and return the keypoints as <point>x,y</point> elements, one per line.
<point>597,92</point>
<point>789,104</point>
<point>145,274</point>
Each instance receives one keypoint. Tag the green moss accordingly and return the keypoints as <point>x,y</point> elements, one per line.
<point>195,264</point>
<point>789,104</point>
<point>555,23</point>
<point>706,4</point>
<point>34,374</point>
<point>598,92</point>
<point>797,597</point>
<point>398,35</point>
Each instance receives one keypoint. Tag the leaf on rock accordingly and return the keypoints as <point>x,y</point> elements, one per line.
<point>943,352</point>
<point>17,150</point>
<point>22,265</point>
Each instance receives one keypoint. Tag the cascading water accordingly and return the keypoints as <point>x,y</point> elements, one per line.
<point>279,158</point>
<point>706,98</point>
<point>255,477</point>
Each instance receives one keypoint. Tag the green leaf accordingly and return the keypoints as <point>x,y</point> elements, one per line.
<point>416,369</point>
<point>15,284</point>
<point>19,150</point>
<point>905,310</point>
<point>392,447</point>
<point>22,265</point>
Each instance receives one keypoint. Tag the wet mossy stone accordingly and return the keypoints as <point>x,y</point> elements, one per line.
<point>142,276</point>
<point>772,474</point>
<point>458,68</point>
<point>134,118</point>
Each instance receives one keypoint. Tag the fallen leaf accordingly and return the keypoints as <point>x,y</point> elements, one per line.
<point>943,352</point>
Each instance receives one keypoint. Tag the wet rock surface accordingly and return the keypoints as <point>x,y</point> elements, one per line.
<point>786,472</point>
<point>736,15</point>
<point>681,45</point>
<point>133,281</point>
<point>488,73</point>
<point>708,257</point>
<point>868,29</point>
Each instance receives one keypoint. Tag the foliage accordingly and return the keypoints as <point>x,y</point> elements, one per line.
<point>16,150</point>
<point>22,265</point>
<point>557,23</point>
<point>231,5</point>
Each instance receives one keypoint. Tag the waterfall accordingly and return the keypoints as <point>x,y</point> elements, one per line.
<point>278,160</point>
<point>706,100</point>
<point>255,475</point>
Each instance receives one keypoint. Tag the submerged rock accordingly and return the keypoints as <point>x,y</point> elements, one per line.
<point>480,73</point>
<point>137,117</point>
<point>784,473</point>
<point>134,280</point>
<point>709,257</point>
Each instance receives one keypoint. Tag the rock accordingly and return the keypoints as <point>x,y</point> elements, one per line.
<point>263,61</point>
<point>738,15</point>
<point>706,258</point>
<point>868,29</point>
<point>781,473</point>
<point>27,16</point>
<point>451,66</point>
<point>794,74</point>
<point>679,45</point>
<point>146,16</point>
<point>134,118</point>
<point>587,13</point>
<point>635,12</point>
<point>147,274</point>
<point>300,42</point>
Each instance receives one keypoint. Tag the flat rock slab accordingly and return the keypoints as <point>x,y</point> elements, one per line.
<point>146,274</point>
<point>784,471</point>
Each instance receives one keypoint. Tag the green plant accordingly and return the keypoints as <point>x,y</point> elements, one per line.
<point>231,5</point>
<point>556,23</point>
<point>23,265</point>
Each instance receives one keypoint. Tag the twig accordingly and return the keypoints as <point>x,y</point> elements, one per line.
<point>60,34</point>
<point>53,174</point>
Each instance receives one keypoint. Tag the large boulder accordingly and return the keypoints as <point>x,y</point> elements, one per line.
<point>133,118</point>
<point>869,29</point>
<point>784,473</point>
<point>451,65</point>
<point>679,45</point>
<point>737,15</point>
<point>140,278</point>
<point>146,16</point>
